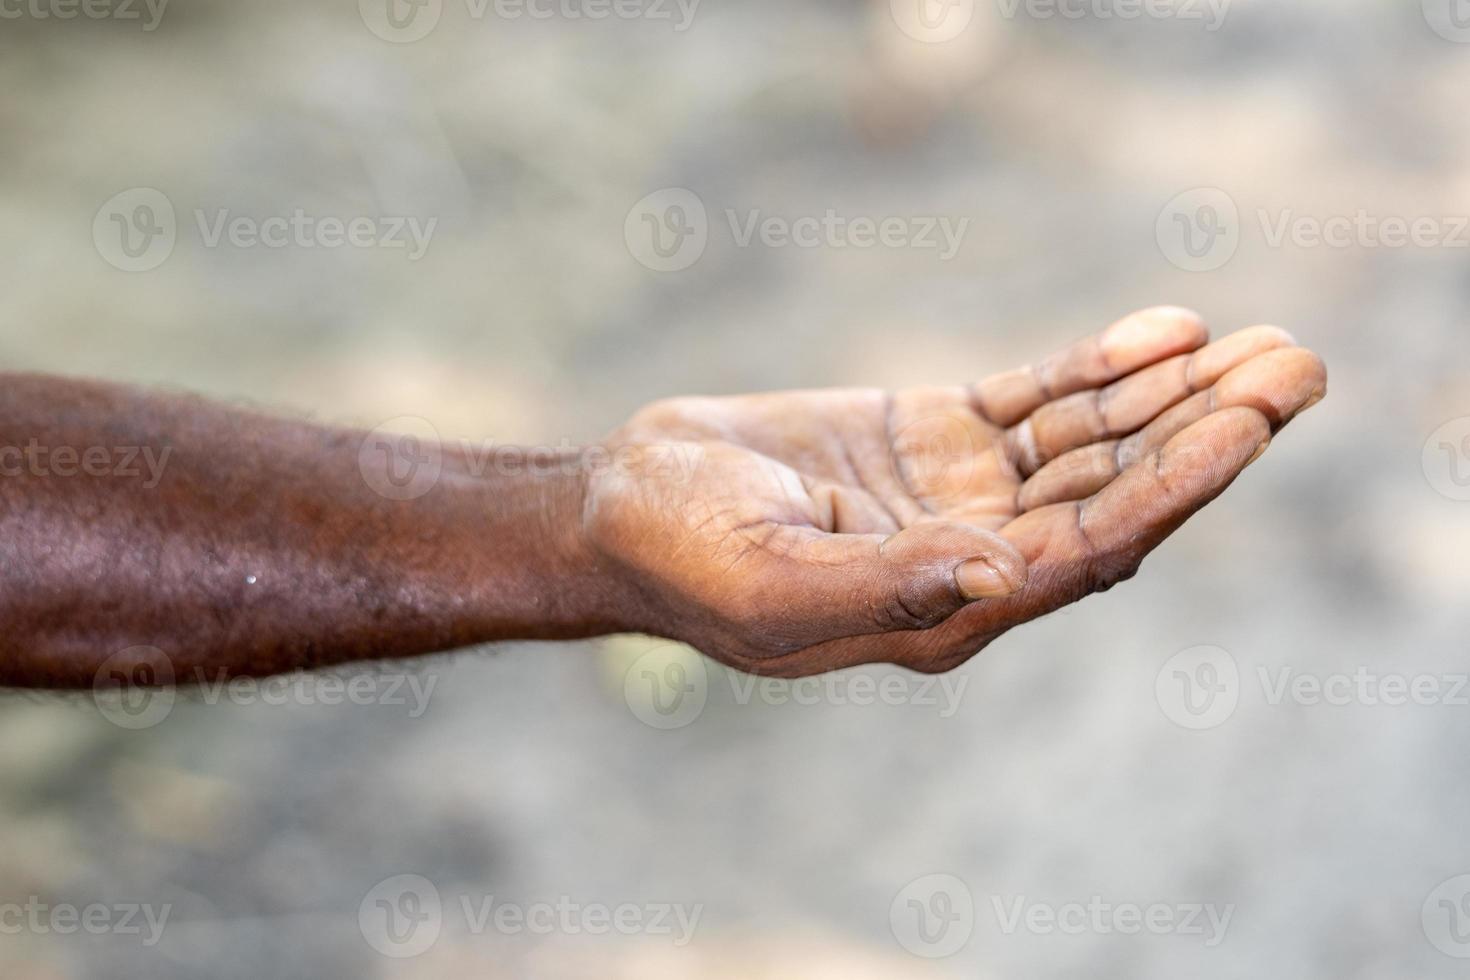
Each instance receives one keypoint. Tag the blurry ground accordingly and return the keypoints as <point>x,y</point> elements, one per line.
<point>1058,776</point>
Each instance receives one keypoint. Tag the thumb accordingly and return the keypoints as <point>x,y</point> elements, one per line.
<point>825,585</point>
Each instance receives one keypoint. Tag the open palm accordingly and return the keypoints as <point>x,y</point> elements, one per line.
<point>819,529</point>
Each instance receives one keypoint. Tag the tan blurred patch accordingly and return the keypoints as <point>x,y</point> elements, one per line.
<point>174,805</point>
<point>765,957</point>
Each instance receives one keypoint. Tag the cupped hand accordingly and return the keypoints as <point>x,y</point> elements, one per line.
<point>804,531</point>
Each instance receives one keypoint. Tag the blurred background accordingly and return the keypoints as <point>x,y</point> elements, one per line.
<point>1213,771</point>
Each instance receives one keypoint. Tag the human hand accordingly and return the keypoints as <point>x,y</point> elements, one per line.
<point>822,529</point>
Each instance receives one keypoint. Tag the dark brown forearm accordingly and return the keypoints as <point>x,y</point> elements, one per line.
<point>242,544</point>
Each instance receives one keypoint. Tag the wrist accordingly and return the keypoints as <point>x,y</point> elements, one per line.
<point>537,573</point>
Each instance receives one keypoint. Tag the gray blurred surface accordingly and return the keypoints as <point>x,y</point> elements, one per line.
<point>796,827</point>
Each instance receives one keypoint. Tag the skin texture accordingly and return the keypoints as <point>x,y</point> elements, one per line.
<point>784,534</point>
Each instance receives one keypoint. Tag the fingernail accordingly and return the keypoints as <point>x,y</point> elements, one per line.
<point>1265,444</point>
<point>1316,396</point>
<point>978,579</point>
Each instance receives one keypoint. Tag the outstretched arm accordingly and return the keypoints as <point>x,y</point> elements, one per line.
<point>784,533</point>
<point>244,544</point>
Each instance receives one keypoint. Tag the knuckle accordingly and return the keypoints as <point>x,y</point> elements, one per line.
<point>665,415</point>
<point>891,614</point>
<point>1103,571</point>
<point>908,606</point>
